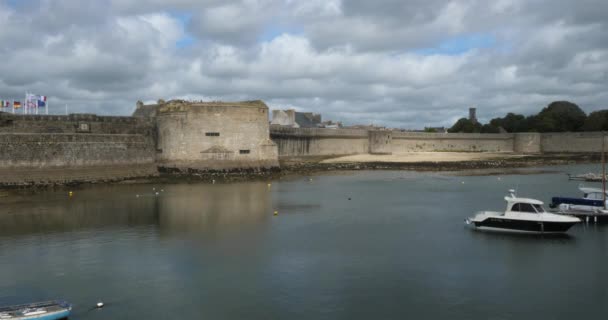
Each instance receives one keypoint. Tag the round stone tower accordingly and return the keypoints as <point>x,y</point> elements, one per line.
<point>214,136</point>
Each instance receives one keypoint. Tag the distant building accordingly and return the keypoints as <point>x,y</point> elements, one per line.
<point>291,118</point>
<point>285,118</point>
<point>308,119</point>
<point>473,115</point>
<point>331,125</point>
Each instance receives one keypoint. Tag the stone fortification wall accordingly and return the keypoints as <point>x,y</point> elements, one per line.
<point>380,142</point>
<point>455,142</point>
<point>527,142</point>
<point>335,142</point>
<point>74,123</point>
<point>214,136</point>
<point>68,148</point>
<point>296,142</point>
<point>571,142</point>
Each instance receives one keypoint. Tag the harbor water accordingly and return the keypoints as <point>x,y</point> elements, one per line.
<point>358,245</point>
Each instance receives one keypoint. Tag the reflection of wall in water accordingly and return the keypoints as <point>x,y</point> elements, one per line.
<point>90,209</point>
<point>210,206</point>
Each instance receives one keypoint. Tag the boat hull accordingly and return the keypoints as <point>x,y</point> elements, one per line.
<point>48,310</point>
<point>48,316</point>
<point>524,226</point>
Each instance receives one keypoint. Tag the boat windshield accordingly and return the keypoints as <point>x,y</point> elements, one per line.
<point>523,207</point>
<point>538,208</point>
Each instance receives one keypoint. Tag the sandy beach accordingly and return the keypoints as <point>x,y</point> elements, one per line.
<point>411,157</point>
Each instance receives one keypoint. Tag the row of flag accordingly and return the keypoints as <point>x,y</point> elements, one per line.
<point>7,104</point>
<point>32,102</point>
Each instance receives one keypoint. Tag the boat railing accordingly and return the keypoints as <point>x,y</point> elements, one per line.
<point>42,304</point>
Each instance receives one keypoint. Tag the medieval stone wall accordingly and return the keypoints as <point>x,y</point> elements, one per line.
<point>31,144</point>
<point>214,136</point>
<point>571,142</point>
<point>296,142</point>
<point>452,142</point>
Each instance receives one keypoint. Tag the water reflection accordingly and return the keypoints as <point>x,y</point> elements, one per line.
<point>199,208</point>
<point>87,210</point>
<point>177,208</point>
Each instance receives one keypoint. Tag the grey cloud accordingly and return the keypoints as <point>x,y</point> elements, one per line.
<point>355,61</point>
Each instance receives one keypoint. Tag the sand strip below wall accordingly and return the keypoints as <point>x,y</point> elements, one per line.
<point>412,157</point>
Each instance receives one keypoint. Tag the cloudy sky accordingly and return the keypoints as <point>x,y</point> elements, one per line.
<point>401,63</point>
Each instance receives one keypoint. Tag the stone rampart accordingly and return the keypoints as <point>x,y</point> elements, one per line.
<point>380,142</point>
<point>298,142</point>
<point>74,123</point>
<point>527,143</point>
<point>334,142</point>
<point>453,142</point>
<point>41,150</point>
<point>74,144</point>
<point>571,142</point>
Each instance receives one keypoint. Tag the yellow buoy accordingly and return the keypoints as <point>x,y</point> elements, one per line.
<point>269,185</point>
<point>70,193</point>
<point>276,213</point>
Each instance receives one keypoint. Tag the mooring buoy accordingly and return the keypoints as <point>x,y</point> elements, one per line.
<point>99,304</point>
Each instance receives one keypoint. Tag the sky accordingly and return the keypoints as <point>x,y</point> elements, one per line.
<point>398,63</point>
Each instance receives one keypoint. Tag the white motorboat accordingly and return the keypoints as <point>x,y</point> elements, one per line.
<point>522,215</point>
<point>592,201</point>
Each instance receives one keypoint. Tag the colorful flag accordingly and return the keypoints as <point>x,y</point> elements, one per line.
<point>31,101</point>
<point>41,104</point>
<point>1,103</point>
<point>16,104</point>
<point>7,104</point>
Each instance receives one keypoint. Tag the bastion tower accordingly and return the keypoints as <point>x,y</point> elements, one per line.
<point>213,135</point>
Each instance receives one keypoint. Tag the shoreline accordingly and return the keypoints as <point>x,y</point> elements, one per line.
<point>318,165</point>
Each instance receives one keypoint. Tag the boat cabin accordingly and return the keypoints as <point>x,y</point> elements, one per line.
<point>515,204</point>
<point>592,193</point>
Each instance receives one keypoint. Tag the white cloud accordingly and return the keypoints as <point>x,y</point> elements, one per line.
<point>359,61</point>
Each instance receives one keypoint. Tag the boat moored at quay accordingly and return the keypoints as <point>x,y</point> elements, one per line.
<point>522,215</point>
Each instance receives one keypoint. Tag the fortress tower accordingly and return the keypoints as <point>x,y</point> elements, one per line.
<point>214,135</point>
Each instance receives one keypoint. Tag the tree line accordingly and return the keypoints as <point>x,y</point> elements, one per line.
<point>558,116</point>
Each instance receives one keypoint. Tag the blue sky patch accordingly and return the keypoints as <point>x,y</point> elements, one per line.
<point>461,44</point>
<point>184,18</point>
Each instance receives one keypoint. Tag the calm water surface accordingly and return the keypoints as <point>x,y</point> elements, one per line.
<point>397,249</point>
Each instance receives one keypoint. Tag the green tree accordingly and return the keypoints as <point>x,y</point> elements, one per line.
<point>466,126</point>
<point>596,121</point>
<point>511,122</point>
<point>488,128</point>
<point>560,116</point>
<point>432,130</point>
